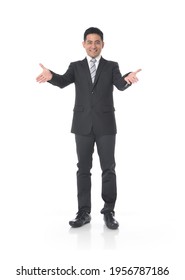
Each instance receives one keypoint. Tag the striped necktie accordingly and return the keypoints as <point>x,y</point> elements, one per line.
<point>93,68</point>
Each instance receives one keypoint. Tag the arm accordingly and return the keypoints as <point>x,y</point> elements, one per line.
<point>56,79</point>
<point>123,82</point>
<point>118,79</point>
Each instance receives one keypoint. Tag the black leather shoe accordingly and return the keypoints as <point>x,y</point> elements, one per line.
<point>81,219</point>
<point>110,221</point>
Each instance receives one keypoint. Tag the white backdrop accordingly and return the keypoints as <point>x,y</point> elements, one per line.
<point>38,151</point>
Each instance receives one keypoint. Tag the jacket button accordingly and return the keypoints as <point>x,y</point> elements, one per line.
<point>92,92</point>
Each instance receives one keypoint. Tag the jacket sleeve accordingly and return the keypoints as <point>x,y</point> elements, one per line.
<point>63,80</point>
<point>118,79</point>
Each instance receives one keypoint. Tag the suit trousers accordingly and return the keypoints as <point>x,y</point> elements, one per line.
<point>106,148</point>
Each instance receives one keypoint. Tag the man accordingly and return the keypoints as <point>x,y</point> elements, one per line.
<point>93,121</point>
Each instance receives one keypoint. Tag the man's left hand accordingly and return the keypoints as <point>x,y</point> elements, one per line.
<point>132,77</point>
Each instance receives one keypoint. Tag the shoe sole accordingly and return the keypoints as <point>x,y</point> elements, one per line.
<point>116,227</point>
<point>77,226</point>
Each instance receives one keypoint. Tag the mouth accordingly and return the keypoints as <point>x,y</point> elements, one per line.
<point>93,52</point>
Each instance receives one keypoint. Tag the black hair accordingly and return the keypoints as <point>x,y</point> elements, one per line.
<point>93,30</point>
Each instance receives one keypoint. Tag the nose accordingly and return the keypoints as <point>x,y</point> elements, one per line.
<point>93,45</point>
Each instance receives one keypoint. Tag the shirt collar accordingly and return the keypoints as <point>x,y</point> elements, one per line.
<point>97,58</point>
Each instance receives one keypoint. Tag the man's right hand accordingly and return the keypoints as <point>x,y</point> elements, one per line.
<point>45,76</point>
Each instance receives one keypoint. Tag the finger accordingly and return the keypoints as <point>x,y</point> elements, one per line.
<point>133,79</point>
<point>41,79</point>
<point>42,66</point>
<point>138,71</point>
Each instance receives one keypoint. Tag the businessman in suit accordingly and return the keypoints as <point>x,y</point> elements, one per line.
<point>93,121</point>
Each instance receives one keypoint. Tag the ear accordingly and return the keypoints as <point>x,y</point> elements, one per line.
<point>83,44</point>
<point>102,45</point>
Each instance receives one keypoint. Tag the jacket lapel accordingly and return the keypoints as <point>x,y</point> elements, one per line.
<point>101,65</point>
<point>86,70</point>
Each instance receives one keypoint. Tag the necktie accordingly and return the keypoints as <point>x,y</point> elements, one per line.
<point>93,68</point>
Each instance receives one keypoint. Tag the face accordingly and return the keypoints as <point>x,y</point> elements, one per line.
<point>93,45</point>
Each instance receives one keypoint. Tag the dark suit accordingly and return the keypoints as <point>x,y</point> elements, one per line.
<point>94,121</point>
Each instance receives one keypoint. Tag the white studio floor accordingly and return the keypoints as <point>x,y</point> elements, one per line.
<point>42,237</point>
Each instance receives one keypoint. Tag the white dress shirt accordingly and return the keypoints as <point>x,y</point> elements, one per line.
<point>97,61</point>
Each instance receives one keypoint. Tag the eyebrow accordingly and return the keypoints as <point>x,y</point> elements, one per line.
<point>97,41</point>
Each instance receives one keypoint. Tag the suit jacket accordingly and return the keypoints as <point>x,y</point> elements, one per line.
<point>94,105</point>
